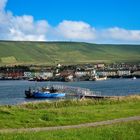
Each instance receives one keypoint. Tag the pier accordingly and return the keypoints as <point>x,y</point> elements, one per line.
<point>80,92</point>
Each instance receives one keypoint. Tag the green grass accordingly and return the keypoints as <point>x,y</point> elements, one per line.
<point>67,112</point>
<point>122,131</point>
<point>66,52</point>
<point>10,59</point>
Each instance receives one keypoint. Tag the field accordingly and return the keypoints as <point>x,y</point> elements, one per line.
<point>122,131</point>
<point>71,112</point>
<point>67,112</point>
<point>51,53</point>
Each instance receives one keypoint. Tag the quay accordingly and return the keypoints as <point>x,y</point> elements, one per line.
<point>81,92</point>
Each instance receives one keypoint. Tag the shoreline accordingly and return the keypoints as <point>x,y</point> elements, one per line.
<point>109,98</point>
<point>22,79</point>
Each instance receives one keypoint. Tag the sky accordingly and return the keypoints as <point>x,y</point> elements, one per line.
<point>96,21</point>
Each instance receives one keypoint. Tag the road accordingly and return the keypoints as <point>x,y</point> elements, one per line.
<point>94,124</point>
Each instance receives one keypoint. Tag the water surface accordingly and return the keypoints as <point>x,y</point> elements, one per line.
<point>12,92</point>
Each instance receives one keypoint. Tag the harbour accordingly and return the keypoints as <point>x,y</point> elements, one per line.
<point>12,92</point>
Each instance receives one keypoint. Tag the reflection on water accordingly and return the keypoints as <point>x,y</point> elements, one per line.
<point>12,92</point>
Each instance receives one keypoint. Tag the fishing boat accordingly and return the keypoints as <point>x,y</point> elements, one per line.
<point>44,93</point>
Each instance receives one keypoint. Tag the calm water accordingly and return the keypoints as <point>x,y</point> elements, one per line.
<point>12,92</point>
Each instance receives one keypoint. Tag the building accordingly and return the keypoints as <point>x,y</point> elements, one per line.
<point>123,72</point>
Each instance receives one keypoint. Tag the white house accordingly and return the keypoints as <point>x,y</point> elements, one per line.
<point>123,72</point>
<point>81,73</point>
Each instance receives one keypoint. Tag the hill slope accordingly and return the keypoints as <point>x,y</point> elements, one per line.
<point>12,52</point>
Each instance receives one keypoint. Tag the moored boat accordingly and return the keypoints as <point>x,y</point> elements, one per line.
<point>44,93</point>
<point>134,78</point>
<point>97,78</point>
<point>48,95</point>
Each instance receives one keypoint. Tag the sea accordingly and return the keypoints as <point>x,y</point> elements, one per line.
<point>12,91</point>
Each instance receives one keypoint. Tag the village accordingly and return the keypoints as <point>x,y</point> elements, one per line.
<point>81,72</point>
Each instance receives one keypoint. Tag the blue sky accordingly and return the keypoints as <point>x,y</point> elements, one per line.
<point>98,13</point>
<point>98,21</point>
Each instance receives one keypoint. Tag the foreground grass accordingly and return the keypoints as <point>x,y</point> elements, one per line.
<point>67,112</point>
<point>122,131</point>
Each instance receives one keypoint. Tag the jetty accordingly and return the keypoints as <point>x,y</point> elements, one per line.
<point>80,92</point>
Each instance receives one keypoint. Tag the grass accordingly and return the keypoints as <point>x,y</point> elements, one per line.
<point>67,112</point>
<point>122,131</point>
<point>57,52</point>
<point>8,59</point>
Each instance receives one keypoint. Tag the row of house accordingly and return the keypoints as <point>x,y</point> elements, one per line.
<point>85,71</point>
<point>68,74</point>
<point>109,73</point>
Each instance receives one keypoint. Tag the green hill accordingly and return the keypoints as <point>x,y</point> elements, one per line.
<point>13,52</point>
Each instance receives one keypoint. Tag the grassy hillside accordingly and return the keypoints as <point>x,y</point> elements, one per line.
<point>65,52</point>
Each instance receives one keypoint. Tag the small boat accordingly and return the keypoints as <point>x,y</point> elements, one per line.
<point>97,78</point>
<point>134,78</point>
<point>44,93</point>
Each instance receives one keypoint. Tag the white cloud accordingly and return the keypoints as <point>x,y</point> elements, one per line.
<point>21,27</point>
<point>76,30</point>
<point>119,35</point>
<point>123,34</point>
<point>26,28</point>
<point>2,4</point>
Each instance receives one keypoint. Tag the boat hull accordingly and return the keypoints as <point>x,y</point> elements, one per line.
<point>48,95</point>
<point>99,78</point>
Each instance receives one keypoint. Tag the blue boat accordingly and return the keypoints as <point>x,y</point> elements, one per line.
<point>48,95</point>
<point>44,93</point>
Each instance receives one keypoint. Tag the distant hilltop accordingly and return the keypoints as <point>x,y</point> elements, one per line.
<point>50,53</point>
